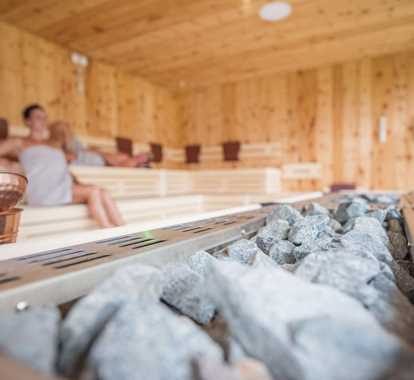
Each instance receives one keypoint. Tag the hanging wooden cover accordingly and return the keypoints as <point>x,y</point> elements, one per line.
<point>192,154</point>
<point>231,151</point>
<point>156,150</point>
<point>125,145</point>
<point>4,129</point>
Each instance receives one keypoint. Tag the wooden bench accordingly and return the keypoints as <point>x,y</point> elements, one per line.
<point>60,221</point>
<point>48,221</point>
<point>125,183</point>
<point>135,183</point>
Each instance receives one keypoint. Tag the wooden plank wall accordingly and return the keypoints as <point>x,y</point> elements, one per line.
<point>115,103</point>
<point>328,115</point>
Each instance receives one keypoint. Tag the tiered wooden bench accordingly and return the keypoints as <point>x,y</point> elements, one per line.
<point>58,222</point>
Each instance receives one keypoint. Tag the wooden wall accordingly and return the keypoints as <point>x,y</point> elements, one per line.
<point>328,115</point>
<point>115,103</point>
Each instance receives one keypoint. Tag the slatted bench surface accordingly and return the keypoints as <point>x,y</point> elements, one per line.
<point>59,221</point>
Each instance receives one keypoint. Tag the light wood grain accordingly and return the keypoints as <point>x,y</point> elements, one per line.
<point>329,115</point>
<point>187,43</point>
<point>33,70</point>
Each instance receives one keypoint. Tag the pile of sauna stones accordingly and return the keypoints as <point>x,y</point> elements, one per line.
<point>316,294</point>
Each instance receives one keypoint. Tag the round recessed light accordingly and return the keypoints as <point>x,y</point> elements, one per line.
<point>275,11</point>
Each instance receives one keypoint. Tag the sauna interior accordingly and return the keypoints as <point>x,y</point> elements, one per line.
<point>131,116</point>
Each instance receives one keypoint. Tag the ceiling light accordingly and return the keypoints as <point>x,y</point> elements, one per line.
<point>275,11</point>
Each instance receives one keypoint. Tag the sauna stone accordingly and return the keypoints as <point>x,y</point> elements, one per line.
<point>349,210</point>
<point>284,212</point>
<point>90,315</point>
<point>269,235</point>
<point>364,243</point>
<point>339,269</point>
<point>243,251</point>
<point>386,199</point>
<point>392,308</point>
<point>356,276</point>
<point>370,226</point>
<point>342,350</point>
<point>199,262</point>
<point>315,209</point>
<point>335,225</point>
<point>378,214</point>
<point>148,341</point>
<point>393,213</point>
<point>282,252</point>
<point>31,337</point>
<point>184,289</point>
<point>306,230</point>
<point>262,320</point>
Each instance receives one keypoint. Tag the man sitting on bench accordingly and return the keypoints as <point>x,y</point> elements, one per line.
<point>77,154</point>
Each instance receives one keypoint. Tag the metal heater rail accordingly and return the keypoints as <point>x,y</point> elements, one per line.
<point>61,275</point>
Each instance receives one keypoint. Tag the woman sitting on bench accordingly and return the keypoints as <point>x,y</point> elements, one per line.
<point>50,182</point>
<point>77,154</point>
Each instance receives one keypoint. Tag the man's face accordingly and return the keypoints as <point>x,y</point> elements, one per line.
<point>37,122</point>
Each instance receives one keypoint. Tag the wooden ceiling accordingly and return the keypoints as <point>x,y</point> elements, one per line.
<point>183,44</point>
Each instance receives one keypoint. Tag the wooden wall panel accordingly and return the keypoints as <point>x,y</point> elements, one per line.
<point>114,103</point>
<point>328,115</point>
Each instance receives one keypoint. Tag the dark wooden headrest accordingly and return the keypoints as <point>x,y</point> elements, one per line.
<point>192,154</point>
<point>156,150</point>
<point>125,145</point>
<point>231,150</point>
<point>4,129</point>
<point>335,187</point>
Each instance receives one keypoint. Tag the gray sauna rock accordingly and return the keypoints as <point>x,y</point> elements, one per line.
<point>273,232</point>
<point>290,267</point>
<point>279,229</point>
<point>370,226</point>
<point>357,276</point>
<point>184,289</point>
<point>335,225</point>
<point>303,250</point>
<point>199,262</point>
<point>381,198</point>
<point>349,210</point>
<point>315,209</point>
<point>323,242</point>
<point>362,241</point>
<point>149,341</point>
<point>399,245</point>
<point>243,251</point>
<point>392,308</point>
<point>282,252</point>
<point>284,212</point>
<point>31,337</point>
<point>378,214</point>
<point>341,270</point>
<point>89,316</point>
<point>260,320</point>
<point>394,225</point>
<point>306,230</point>
<point>342,350</point>
<point>236,352</point>
<point>393,213</point>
